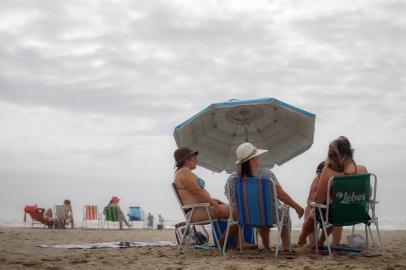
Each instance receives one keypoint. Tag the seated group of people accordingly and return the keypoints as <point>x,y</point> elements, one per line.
<point>191,189</point>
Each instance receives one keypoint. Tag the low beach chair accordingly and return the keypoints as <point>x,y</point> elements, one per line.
<point>90,213</point>
<point>135,214</point>
<point>257,206</point>
<point>351,205</point>
<point>37,216</point>
<point>188,211</point>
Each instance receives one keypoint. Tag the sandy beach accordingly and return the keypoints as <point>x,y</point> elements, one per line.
<point>19,250</point>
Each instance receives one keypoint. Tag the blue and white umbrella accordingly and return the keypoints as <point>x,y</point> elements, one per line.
<point>216,132</point>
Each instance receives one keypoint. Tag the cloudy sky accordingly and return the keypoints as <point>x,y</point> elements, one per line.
<point>90,91</point>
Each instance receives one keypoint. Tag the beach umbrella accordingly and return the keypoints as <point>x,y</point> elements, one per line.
<point>216,132</point>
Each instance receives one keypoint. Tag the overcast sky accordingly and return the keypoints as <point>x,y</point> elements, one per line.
<point>90,91</point>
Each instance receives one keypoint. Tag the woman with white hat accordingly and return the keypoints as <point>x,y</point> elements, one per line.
<point>248,165</point>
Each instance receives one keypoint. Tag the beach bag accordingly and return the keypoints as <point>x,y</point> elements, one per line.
<point>356,241</point>
<point>197,237</point>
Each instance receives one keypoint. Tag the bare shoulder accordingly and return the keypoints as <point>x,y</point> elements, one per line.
<point>184,174</point>
<point>327,172</point>
<point>362,169</point>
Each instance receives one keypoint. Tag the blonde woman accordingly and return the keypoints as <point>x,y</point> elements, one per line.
<point>339,161</point>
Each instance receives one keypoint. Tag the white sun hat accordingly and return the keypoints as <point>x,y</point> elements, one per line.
<point>246,151</point>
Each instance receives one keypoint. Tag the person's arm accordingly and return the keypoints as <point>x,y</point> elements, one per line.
<point>71,217</point>
<point>312,191</point>
<point>201,194</point>
<point>285,198</point>
<point>321,196</point>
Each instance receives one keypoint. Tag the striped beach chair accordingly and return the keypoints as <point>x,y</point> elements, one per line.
<point>351,205</point>
<point>257,206</point>
<point>90,213</point>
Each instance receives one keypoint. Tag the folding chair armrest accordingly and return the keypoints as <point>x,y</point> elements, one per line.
<point>372,201</point>
<point>317,205</point>
<point>195,205</point>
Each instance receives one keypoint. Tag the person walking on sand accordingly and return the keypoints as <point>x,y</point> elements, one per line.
<point>150,219</point>
<point>161,221</point>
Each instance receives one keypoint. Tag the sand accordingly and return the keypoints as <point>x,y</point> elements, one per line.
<point>18,251</point>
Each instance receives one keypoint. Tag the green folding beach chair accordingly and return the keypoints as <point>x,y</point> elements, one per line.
<point>351,205</point>
<point>111,214</point>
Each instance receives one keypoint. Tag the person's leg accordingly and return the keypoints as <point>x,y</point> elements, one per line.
<point>337,232</point>
<point>222,212</point>
<point>48,213</point>
<point>308,228</point>
<point>264,233</point>
<point>285,235</point>
<point>120,222</point>
<point>125,221</point>
<point>322,238</point>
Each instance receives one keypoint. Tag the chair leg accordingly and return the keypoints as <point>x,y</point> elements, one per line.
<point>240,230</point>
<point>370,234</point>
<point>278,243</point>
<point>316,233</point>
<point>290,236</point>
<point>325,232</point>
<point>366,237</point>
<point>182,240</point>
<point>215,235</point>
<point>379,234</point>
<point>226,237</point>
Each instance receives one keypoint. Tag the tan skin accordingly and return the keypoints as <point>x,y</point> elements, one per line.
<point>186,172</point>
<point>285,198</point>
<point>203,196</point>
<point>321,198</point>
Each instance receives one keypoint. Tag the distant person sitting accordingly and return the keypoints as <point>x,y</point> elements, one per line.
<point>150,220</point>
<point>67,216</point>
<point>39,215</point>
<point>121,217</point>
<point>161,222</point>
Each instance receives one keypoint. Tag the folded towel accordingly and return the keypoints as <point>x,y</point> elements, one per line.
<point>122,244</point>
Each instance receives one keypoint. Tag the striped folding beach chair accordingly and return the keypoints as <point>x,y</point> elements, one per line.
<point>90,213</point>
<point>257,206</point>
<point>351,205</point>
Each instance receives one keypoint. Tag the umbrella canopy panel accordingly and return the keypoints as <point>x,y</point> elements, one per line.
<point>217,131</point>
